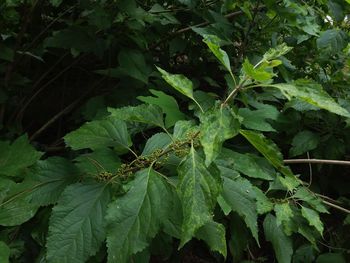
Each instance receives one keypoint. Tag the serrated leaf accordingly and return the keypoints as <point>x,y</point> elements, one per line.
<point>99,134</point>
<point>144,113</point>
<point>283,213</point>
<point>213,234</point>
<point>101,160</point>
<point>213,42</point>
<point>77,225</point>
<point>268,149</point>
<point>180,83</point>
<point>51,176</point>
<point>256,73</point>
<point>16,208</point>
<point>198,190</point>
<point>313,218</point>
<point>240,195</point>
<point>17,156</point>
<point>168,105</point>
<point>313,94</point>
<point>243,163</point>
<point>4,252</point>
<point>136,217</point>
<point>217,126</point>
<point>281,243</point>
<point>304,141</point>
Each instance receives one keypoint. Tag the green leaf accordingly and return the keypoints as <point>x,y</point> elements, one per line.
<point>16,208</point>
<point>304,141</point>
<point>313,218</point>
<point>132,63</point>
<point>263,203</point>
<point>240,196</point>
<point>136,217</point>
<point>17,156</point>
<point>331,258</point>
<point>144,113</point>
<point>101,160</point>
<point>217,126</point>
<point>51,177</point>
<point>268,149</point>
<point>180,83</point>
<point>99,134</point>
<point>255,120</point>
<point>284,213</point>
<point>213,234</point>
<point>158,141</point>
<point>313,94</point>
<point>276,52</point>
<point>77,225</point>
<point>198,189</point>
<point>183,129</point>
<point>256,73</point>
<point>213,42</point>
<point>311,199</point>
<point>332,41</point>
<point>4,252</point>
<point>243,163</point>
<point>167,103</point>
<point>281,243</point>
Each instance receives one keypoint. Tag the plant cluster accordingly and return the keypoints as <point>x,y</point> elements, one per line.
<point>105,157</point>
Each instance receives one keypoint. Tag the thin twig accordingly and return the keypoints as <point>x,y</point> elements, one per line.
<point>319,161</point>
<point>336,206</point>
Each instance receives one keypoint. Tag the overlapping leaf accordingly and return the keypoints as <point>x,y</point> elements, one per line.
<point>17,156</point>
<point>198,189</point>
<point>217,126</point>
<point>99,134</point>
<point>77,224</point>
<point>135,218</point>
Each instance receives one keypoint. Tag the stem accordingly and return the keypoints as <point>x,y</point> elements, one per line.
<point>336,206</point>
<point>319,161</point>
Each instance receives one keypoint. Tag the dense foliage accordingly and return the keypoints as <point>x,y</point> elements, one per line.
<point>162,131</point>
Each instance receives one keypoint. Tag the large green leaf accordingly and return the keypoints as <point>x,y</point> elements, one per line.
<point>240,196</point>
<point>77,224</point>
<point>311,199</point>
<point>136,217</point>
<point>213,234</point>
<point>198,189</point>
<point>255,119</point>
<point>16,208</point>
<point>244,163</point>
<point>332,41</point>
<point>313,94</point>
<point>258,74</point>
<point>167,103</point>
<point>144,113</point>
<point>217,126</point>
<point>51,176</point>
<point>99,134</point>
<point>281,243</point>
<point>284,213</point>
<point>268,149</point>
<point>17,156</point>
<point>276,52</point>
